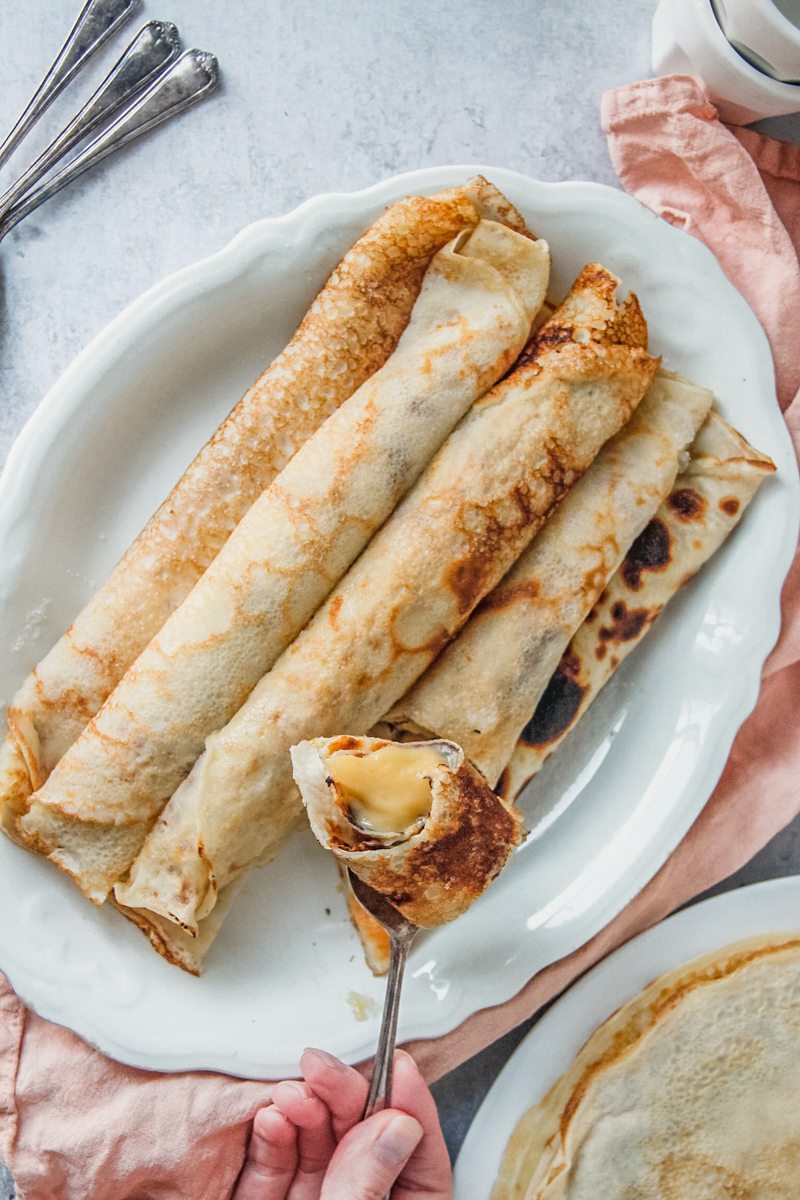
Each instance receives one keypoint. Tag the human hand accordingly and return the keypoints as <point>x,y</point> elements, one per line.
<point>310,1143</point>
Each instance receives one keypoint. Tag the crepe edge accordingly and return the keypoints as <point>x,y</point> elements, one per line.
<point>546,1125</point>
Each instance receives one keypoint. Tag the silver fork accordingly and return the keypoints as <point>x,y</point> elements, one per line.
<point>401,934</point>
<point>188,79</point>
<point>97,21</point>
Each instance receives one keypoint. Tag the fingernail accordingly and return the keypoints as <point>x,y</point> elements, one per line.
<point>327,1059</point>
<point>292,1086</point>
<point>398,1139</point>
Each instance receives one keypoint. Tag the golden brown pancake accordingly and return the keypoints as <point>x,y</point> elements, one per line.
<point>481,691</point>
<point>470,321</point>
<point>349,332</point>
<point>689,1092</point>
<point>703,508</point>
<point>474,510</point>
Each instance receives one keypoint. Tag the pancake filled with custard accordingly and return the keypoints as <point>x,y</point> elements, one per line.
<point>414,820</point>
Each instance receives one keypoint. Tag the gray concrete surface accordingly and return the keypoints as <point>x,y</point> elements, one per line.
<point>315,97</point>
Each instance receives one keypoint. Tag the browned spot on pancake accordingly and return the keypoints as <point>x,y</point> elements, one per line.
<point>334,610</point>
<point>435,644</point>
<point>487,528</point>
<point>679,1175</point>
<point>729,505</point>
<point>687,504</point>
<point>570,664</point>
<point>441,875</point>
<point>464,580</point>
<point>183,894</point>
<point>558,706</point>
<point>507,595</point>
<point>345,742</point>
<point>70,698</point>
<point>206,860</point>
<point>650,552</point>
<point>626,623</point>
<point>581,319</point>
<point>553,334</point>
<point>333,836</point>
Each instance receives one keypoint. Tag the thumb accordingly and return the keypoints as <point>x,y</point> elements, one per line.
<point>370,1157</point>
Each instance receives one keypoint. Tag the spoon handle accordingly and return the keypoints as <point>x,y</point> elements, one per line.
<point>97,21</point>
<point>380,1090</point>
<point>155,46</point>
<point>186,81</point>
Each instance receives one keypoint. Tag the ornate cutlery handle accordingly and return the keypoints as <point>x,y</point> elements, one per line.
<point>155,46</point>
<point>97,21</point>
<point>380,1090</point>
<point>186,81</point>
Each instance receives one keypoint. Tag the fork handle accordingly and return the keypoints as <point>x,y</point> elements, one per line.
<point>155,46</point>
<point>187,80</point>
<point>96,23</point>
<point>380,1088</point>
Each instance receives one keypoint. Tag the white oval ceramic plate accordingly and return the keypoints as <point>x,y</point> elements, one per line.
<point>547,1051</point>
<point>103,450</point>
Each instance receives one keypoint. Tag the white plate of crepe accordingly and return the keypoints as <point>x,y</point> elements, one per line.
<point>103,450</point>
<point>547,1051</point>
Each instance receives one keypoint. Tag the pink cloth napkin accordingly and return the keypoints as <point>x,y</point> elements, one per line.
<point>75,1125</point>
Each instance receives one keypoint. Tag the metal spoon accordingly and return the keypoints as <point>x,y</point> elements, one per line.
<point>155,46</point>
<point>97,21</point>
<point>186,81</point>
<point>401,934</point>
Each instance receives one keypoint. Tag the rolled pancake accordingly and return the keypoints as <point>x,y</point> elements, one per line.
<point>481,691</point>
<point>471,320</point>
<point>183,949</point>
<point>372,935</point>
<point>470,515</point>
<point>690,1090</point>
<point>415,821</point>
<point>704,505</point>
<point>348,333</point>
<point>707,502</point>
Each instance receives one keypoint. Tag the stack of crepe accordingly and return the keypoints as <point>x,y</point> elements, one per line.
<point>403,524</point>
<point>689,1090</point>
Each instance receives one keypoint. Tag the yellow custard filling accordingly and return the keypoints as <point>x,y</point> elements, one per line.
<point>389,788</point>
